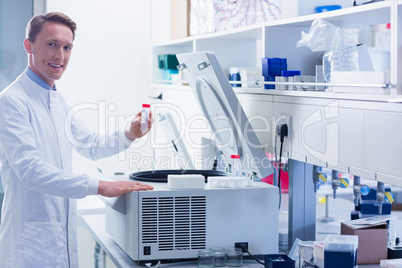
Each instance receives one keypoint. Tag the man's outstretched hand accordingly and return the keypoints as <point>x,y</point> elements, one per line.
<point>118,188</point>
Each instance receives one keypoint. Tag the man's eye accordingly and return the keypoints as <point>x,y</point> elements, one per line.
<point>67,48</point>
<point>52,44</point>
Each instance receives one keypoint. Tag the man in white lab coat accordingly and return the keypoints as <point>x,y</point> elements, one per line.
<point>38,227</point>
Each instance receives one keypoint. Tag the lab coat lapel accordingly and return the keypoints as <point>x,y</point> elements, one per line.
<point>59,116</point>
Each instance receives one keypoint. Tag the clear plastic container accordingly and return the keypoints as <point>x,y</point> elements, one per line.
<point>343,59</point>
<point>341,243</point>
<point>340,251</point>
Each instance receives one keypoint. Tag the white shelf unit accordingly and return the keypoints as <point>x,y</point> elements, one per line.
<point>289,30</point>
<point>244,47</point>
<point>240,47</point>
<point>361,147</point>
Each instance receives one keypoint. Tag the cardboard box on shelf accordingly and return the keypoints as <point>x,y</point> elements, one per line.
<point>372,246</point>
<point>170,19</point>
<point>179,18</point>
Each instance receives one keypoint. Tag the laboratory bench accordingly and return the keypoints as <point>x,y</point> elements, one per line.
<point>96,226</point>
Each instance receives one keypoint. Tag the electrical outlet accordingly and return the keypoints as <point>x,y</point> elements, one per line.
<point>242,245</point>
<point>284,119</point>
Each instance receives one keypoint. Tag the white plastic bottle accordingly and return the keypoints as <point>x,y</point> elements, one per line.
<point>145,117</point>
<point>235,165</point>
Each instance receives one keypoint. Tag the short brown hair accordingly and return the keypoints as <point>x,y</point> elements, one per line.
<point>35,25</point>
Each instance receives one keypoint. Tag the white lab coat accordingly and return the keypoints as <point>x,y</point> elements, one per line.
<point>38,227</point>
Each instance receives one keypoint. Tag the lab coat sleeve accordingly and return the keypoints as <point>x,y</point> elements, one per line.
<point>18,143</point>
<point>92,145</point>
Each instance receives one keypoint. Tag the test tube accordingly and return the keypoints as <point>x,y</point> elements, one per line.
<point>235,165</point>
<point>144,117</point>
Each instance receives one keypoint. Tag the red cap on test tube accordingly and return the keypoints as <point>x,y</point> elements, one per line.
<point>146,105</point>
<point>235,156</point>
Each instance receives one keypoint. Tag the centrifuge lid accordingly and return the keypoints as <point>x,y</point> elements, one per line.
<point>230,126</point>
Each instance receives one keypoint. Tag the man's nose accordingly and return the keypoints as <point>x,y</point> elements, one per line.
<point>60,54</point>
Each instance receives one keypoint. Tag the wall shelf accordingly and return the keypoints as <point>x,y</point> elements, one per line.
<point>244,47</point>
<point>371,14</point>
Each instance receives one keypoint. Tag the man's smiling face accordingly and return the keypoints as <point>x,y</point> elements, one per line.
<point>50,53</point>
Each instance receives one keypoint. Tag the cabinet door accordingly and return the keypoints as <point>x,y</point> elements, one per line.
<point>351,143</point>
<point>260,113</point>
<point>382,142</point>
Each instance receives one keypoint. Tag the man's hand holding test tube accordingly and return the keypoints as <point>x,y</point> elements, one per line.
<point>141,124</point>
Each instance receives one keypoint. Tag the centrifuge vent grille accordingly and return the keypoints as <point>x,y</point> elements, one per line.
<point>174,223</point>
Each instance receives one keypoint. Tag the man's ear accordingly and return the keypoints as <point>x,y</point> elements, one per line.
<point>28,46</point>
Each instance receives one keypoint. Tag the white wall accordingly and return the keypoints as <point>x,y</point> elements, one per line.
<point>109,67</point>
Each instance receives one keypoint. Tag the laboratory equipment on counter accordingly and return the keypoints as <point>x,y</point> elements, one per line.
<point>395,251</point>
<point>383,196</point>
<point>338,182</point>
<point>359,190</point>
<point>326,218</point>
<point>166,224</point>
<point>369,205</point>
<point>319,177</point>
<point>340,251</point>
<point>229,124</point>
<point>173,135</point>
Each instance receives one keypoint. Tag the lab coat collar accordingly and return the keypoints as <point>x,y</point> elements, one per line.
<point>39,81</point>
